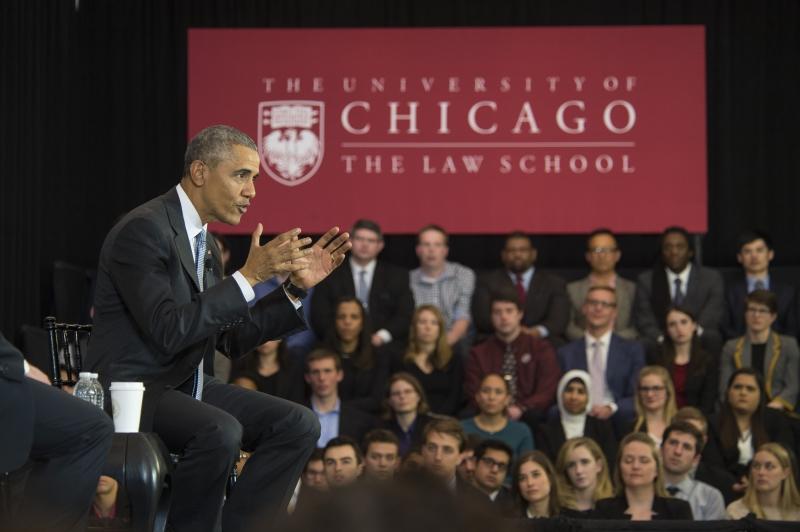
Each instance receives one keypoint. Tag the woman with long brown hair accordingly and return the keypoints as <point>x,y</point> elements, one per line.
<point>405,411</point>
<point>535,486</point>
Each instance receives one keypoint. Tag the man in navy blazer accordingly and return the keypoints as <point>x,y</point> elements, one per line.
<point>755,254</point>
<point>61,441</point>
<point>612,361</point>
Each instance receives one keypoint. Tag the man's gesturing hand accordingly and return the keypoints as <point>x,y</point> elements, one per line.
<point>282,254</point>
<point>324,256</point>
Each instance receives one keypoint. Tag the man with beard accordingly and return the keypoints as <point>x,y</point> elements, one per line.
<point>542,295</point>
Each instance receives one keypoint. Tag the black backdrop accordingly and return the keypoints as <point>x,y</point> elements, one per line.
<point>94,117</point>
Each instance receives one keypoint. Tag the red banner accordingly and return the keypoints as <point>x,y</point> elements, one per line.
<point>546,130</point>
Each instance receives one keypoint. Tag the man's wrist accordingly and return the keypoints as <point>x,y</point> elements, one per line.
<point>294,290</point>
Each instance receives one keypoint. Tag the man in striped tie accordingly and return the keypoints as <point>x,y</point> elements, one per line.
<point>161,309</point>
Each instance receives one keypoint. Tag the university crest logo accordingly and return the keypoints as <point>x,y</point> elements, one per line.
<point>291,138</point>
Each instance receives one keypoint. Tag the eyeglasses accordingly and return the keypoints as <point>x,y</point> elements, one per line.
<point>491,463</point>
<point>758,311</point>
<point>602,251</point>
<point>600,303</point>
<point>367,239</point>
<point>654,389</point>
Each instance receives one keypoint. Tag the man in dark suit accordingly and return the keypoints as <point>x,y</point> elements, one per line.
<point>543,296</point>
<point>54,449</point>
<point>755,254</point>
<point>676,281</point>
<point>493,460</point>
<point>323,375</point>
<point>381,287</point>
<point>612,362</point>
<point>162,307</point>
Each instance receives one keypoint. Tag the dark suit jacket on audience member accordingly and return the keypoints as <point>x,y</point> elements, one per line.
<point>415,442</point>
<point>546,303</point>
<point>390,301</point>
<point>286,383</point>
<point>663,507</point>
<point>355,423</point>
<point>550,437</point>
<point>734,325</point>
<point>442,386</point>
<point>705,298</point>
<point>625,359</point>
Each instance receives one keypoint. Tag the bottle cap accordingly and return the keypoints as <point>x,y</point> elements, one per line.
<point>84,375</point>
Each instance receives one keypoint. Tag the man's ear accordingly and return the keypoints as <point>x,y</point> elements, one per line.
<point>197,173</point>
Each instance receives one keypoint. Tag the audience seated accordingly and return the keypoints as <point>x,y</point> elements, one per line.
<point>527,363</point>
<point>493,399</point>
<point>602,254</point>
<point>312,486</point>
<point>694,371</point>
<point>405,411</point>
<point>381,287</point>
<point>336,418</point>
<point>744,424</point>
<point>344,463</point>
<point>681,452</point>
<point>655,402</point>
<point>573,419</point>
<point>381,455</point>
<point>365,367</point>
<point>446,285</point>
<point>270,369</point>
<point>493,460</point>
<point>583,477</point>
<point>430,359</point>
<point>674,280</point>
<point>612,361</point>
<point>755,254</point>
<point>535,486</point>
<point>639,477</point>
<point>774,356</point>
<point>110,506</point>
<point>771,489</point>
<point>466,468</point>
<point>542,296</point>
<point>300,343</point>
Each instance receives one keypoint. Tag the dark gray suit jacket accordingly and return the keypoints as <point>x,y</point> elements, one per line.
<point>153,324</point>
<point>16,409</point>
<point>704,298</point>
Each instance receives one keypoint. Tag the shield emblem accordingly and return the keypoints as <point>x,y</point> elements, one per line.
<point>291,138</point>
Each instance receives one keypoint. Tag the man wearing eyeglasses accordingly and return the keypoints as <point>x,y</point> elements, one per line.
<point>381,287</point>
<point>492,463</point>
<point>612,361</point>
<point>602,255</point>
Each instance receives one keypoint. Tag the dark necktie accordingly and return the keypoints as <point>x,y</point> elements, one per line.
<point>679,295</point>
<point>510,371</point>
<point>759,285</point>
<point>520,289</point>
<point>200,264</point>
<point>673,490</point>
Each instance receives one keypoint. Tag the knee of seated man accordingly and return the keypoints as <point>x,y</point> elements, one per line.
<point>223,435</point>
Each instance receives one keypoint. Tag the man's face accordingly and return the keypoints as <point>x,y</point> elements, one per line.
<point>314,475</point>
<point>506,318</point>
<point>679,452</point>
<point>227,188</point>
<point>518,254</point>
<point>600,309</point>
<point>758,318</point>
<point>755,257</point>
<point>106,485</point>
<point>491,469</point>
<point>341,466</point>
<point>381,460</point>
<point>603,254</point>
<point>440,454</point>
<point>432,249</point>
<point>366,245</point>
<point>675,251</point>
<point>323,377</point>
<point>466,468</point>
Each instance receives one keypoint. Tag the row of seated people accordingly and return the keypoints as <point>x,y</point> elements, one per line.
<point>650,482</point>
<point>551,306</point>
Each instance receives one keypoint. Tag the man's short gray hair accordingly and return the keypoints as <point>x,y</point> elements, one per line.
<point>214,144</point>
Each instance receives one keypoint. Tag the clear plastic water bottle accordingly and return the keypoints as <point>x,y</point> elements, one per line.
<point>88,388</point>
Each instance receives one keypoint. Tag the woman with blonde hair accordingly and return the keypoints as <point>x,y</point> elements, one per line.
<point>583,477</point>
<point>654,402</point>
<point>771,491</point>
<point>430,359</point>
<point>639,478</point>
<point>535,486</point>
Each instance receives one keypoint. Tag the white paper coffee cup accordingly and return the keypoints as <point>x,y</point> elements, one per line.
<point>126,405</point>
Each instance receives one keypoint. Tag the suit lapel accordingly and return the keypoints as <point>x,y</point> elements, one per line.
<point>181,239</point>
